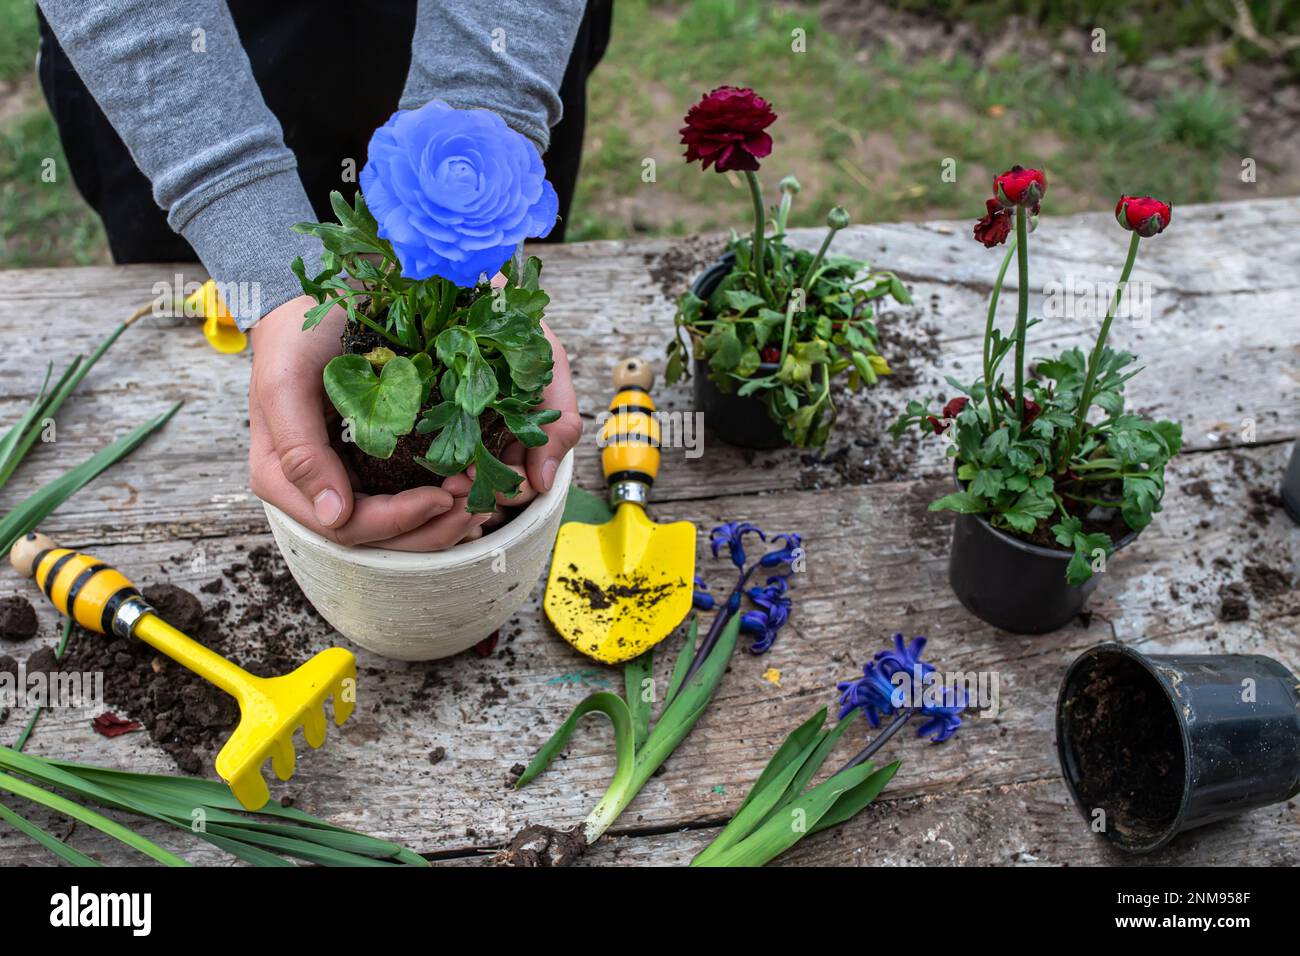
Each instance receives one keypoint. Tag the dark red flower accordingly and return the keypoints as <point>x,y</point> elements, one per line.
<point>1032,408</point>
<point>1143,215</point>
<point>1020,187</point>
<point>938,426</point>
<point>955,406</point>
<point>770,354</point>
<point>994,228</point>
<point>726,129</point>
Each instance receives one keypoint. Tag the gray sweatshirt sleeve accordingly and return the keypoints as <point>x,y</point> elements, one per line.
<point>173,79</point>
<point>502,55</point>
<point>175,82</point>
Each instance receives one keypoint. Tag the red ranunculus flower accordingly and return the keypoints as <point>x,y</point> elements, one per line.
<point>938,426</point>
<point>950,412</point>
<point>1020,187</point>
<point>726,128</point>
<point>1032,408</point>
<point>994,228</point>
<point>770,354</point>
<point>1143,215</point>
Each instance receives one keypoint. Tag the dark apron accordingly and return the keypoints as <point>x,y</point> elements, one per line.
<point>327,114</point>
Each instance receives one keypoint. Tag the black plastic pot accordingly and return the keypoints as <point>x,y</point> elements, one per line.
<point>1012,584</point>
<point>1154,745</point>
<point>1291,485</point>
<point>743,422</point>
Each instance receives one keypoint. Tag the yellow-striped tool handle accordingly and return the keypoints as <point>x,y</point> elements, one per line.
<point>78,585</point>
<point>630,436</point>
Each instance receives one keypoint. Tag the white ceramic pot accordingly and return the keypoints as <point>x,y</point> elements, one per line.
<point>418,607</point>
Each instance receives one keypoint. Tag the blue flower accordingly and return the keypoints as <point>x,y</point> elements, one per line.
<point>793,544</point>
<point>702,600</point>
<point>880,693</point>
<point>774,611</point>
<point>732,534</point>
<point>455,191</point>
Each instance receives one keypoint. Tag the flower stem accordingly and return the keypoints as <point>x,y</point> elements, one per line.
<point>760,226</point>
<point>867,752</point>
<point>988,334</point>
<point>719,622</point>
<point>1094,360</point>
<point>817,259</point>
<point>1022,307</point>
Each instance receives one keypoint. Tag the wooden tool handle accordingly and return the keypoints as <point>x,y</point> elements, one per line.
<point>93,590</point>
<point>630,436</point>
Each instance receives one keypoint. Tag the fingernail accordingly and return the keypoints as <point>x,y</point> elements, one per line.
<point>549,469</point>
<point>328,507</point>
<point>478,520</point>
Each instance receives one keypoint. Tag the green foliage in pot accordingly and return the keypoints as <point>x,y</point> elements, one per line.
<point>1028,458</point>
<point>784,322</point>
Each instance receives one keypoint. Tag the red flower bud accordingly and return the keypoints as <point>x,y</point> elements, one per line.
<point>1020,187</point>
<point>938,426</point>
<point>726,129</point>
<point>1143,215</point>
<point>994,228</point>
<point>770,354</point>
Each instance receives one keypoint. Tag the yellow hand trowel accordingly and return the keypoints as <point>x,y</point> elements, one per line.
<point>101,599</point>
<point>621,587</point>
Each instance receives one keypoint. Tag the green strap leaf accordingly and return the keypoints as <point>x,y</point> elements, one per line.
<point>856,799</point>
<point>52,843</point>
<point>613,707</point>
<point>684,657</point>
<point>635,674</point>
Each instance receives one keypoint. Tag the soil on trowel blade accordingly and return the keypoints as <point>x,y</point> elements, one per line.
<point>17,618</point>
<point>189,718</point>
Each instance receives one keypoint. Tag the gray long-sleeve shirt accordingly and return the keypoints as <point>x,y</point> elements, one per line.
<point>175,82</point>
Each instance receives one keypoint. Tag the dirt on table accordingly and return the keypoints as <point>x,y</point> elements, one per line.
<point>17,618</point>
<point>188,717</point>
<point>536,845</point>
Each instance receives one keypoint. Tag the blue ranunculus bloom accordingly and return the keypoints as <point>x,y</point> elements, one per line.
<point>732,534</point>
<point>774,611</point>
<point>455,191</point>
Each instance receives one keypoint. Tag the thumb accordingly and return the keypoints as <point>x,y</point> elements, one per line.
<point>298,433</point>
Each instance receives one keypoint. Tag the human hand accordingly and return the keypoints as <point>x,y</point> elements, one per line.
<point>293,466</point>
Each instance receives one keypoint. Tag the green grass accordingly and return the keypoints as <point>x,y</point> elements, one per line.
<point>17,38</point>
<point>868,133</point>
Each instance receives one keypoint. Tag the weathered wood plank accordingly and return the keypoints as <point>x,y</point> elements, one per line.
<point>877,563</point>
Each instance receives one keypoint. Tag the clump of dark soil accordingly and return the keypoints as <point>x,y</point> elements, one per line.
<point>1233,605</point>
<point>17,618</point>
<point>537,845</point>
<point>681,261</point>
<point>189,718</point>
<point>1126,748</point>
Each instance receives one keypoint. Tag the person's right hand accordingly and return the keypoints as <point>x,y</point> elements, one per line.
<point>292,465</point>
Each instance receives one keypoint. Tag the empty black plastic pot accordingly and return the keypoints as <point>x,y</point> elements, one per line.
<point>1291,485</point>
<point>740,421</point>
<point>1012,584</point>
<point>1152,745</point>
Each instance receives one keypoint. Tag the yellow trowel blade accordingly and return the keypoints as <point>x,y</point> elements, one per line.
<point>618,588</point>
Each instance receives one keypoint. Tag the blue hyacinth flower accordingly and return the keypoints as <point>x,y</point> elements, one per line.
<point>732,534</point>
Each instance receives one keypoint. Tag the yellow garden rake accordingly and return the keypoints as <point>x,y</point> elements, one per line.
<point>101,599</point>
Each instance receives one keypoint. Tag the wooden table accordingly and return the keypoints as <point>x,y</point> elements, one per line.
<point>1221,355</point>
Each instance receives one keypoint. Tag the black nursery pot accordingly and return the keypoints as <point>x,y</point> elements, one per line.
<point>1165,743</point>
<point>740,421</point>
<point>1011,583</point>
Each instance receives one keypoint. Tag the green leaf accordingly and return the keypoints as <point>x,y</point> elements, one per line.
<point>490,476</point>
<point>685,654</point>
<point>382,407</point>
<point>962,502</point>
<point>476,383</point>
<point>455,445</point>
<point>987,483</point>
<point>742,301</point>
<point>854,801</point>
<point>516,332</point>
<point>582,506</point>
<point>525,421</point>
<point>636,673</point>
<point>613,707</point>
<point>48,840</point>
<point>1028,509</point>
